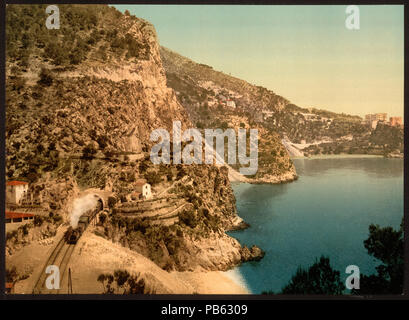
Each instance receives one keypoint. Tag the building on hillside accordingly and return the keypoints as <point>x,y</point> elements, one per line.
<point>381,116</point>
<point>395,121</point>
<point>231,104</point>
<point>16,191</point>
<point>369,118</point>
<point>9,287</point>
<point>374,124</point>
<point>16,219</point>
<point>143,188</point>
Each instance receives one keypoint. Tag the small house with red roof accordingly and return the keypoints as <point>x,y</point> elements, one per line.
<point>16,191</point>
<point>16,219</point>
<point>9,287</point>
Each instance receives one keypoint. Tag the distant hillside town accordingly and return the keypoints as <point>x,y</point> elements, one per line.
<point>374,119</point>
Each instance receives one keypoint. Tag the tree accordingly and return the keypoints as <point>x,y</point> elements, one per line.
<point>385,244</point>
<point>46,78</point>
<point>11,274</point>
<point>132,284</point>
<point>109,278</point>
<point>101,278</point>
<point>89,151</point>
<point>121,277</point>
<point>320,278</point>
<point>152,177</point>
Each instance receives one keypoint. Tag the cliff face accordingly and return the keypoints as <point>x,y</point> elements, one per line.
<point>80,97</point>
<point>197,240</point>
<point>56,108</point>
<point>213,99</point>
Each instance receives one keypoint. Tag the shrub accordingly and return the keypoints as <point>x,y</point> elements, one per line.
<point>89,151</point>
<point>152,177</point>
<point>38,220</point>
<point>46,78</point>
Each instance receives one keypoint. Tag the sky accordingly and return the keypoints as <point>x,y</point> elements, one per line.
<point>303,53</point>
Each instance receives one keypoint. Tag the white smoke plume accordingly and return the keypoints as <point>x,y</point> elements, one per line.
<point>80,206</point>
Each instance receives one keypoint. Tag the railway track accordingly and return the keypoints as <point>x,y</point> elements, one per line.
<point>60,257</point>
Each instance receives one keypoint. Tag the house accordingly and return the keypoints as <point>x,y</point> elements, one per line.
<point>374,124</point>
<point>369,118</point>
<point>16,191</point>
<point>395,121</point>
<point>9,287</point>
<point>16,219</point>
<point>231,104</point>
<point>143,188</point>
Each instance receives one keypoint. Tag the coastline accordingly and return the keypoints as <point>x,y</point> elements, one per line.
<point>215,282</point>
<point>339,156</point>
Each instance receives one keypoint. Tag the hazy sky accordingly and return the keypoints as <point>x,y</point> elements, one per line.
<point>304,53</point>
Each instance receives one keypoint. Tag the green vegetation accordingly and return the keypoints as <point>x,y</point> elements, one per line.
<point>384,244</point>
<point>320,278</point>
<point>123,280</point>
<point>153,177</point>
<point>81,31</point>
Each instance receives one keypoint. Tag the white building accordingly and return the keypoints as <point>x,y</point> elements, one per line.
<point>16,191</point>
<point>374,124</point>
<point>143,188</point>
<point>231,104</point>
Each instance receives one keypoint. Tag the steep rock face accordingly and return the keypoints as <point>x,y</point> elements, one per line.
<point>206,94</point>
<point>198,240</point>
<point>70,109</point>
<point>108,106</point>
<point>254,97</point>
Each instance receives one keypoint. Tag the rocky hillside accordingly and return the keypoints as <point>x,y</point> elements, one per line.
<point>107,101</point>
<point>81,104</point>
<point>207,94</point>
<point>214,99</point>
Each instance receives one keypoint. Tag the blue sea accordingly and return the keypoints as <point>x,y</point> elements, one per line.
<point>327,211</point>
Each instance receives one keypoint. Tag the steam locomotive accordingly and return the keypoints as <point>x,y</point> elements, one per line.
<point>72,235</point>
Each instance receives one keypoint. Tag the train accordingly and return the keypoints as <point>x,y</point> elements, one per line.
<point>72,235</point>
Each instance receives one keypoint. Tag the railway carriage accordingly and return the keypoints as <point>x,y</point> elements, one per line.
<point>73,234</point>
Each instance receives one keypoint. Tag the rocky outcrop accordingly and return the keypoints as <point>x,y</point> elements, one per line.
<point>198,241</point>
<point>69,120</point>
<point>97,106</point>
<point>28,233</point>
<point>253,254</point>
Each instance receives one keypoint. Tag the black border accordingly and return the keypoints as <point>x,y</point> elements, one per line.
<point>201,299</point>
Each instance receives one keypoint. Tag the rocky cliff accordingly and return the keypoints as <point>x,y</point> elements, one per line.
<point>81,101</point>
<point>55,108</point>
<point>213,99</point>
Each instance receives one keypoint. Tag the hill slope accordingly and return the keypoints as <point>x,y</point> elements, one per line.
<point>214,99</point>
<point>81,104</point>
<point>205,94</point>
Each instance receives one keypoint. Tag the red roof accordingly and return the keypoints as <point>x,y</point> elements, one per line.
<point>140,181</point>
<point>15,215</point>
<point>15,183</point>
